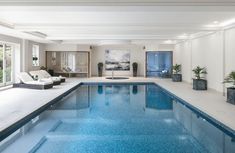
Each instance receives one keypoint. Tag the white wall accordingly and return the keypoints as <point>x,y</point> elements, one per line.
<point>208,52</point>
<point>182,55</point>
<point>229,51</point>
<point>137,54</point>
<point>29,56</point>
<point>215,52</point>
<point>67,47</point>
<point>159,47</point>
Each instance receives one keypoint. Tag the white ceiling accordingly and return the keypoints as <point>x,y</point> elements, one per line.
<point>90,24</point>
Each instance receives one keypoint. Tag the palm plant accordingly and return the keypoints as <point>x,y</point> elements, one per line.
<point>230,78</point>
<point>176,68</point>
<point>198,71</point>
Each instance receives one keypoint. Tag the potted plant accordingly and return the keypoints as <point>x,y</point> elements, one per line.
<point>100,69</point>
<point>230,90</point>
<point>135,68</point>
<point>43,68</point>
<point>198,82</point>
<point>35,61</point>
<point>176,76</point>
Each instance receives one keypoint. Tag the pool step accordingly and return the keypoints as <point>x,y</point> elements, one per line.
<point>118,127</point>
<point>116,144</point>
<point>81,114</point>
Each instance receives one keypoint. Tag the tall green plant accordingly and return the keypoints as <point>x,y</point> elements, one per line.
<point>176,68</point>
<point>230,78</point>
<point>198,71</point>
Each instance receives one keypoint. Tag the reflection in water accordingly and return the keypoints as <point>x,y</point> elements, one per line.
<point>100,89</point>
<point>157,99</point>
<point>113,92</point>
<point>135,89</point>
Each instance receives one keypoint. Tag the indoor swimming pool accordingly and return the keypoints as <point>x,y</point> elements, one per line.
<point>122,118</point>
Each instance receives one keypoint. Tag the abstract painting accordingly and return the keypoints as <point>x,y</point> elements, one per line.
<point>118,60</point>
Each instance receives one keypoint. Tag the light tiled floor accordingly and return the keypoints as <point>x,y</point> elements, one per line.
<point>17,103</point>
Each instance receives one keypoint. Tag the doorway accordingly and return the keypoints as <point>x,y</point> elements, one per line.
<point>159,64</point>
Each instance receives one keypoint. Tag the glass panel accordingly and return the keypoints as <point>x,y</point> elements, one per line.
<point>1,64</point>
<point>53,59</point>
<point>8,58</point>
<point>72,62</point>
<point>159,64</point>
<point>82,62</point>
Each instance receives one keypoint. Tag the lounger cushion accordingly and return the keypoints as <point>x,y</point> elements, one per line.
<point>36,73</point>
<point>41,76</point>
<point>47,75</point>
<point>25,77</point>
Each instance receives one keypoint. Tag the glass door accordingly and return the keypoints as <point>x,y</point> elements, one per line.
<point>159,64</point>
<point>6,66</point>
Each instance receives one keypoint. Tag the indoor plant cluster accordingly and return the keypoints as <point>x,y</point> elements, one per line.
<point>199,82</point>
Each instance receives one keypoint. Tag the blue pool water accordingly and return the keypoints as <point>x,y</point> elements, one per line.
<point>127,118</point>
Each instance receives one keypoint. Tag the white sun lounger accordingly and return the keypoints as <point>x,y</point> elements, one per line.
<point>40,76</point>
<point>28,82</point>
<point>47,75</point>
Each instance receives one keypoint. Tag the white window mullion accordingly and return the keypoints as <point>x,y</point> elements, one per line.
<point>2,83</point>
<point>12,64</point>
<point>4,65</point>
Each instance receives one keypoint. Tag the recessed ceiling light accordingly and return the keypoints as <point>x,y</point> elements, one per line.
<point>216,22</point>
<point>168,41</point>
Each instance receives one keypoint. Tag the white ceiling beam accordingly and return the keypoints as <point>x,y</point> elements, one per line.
<point>116,8</point>
<point>114,37</point>
<point>106,27</point>
<point>6,24</point>
<point>115,2</point>
<point>9,30</point>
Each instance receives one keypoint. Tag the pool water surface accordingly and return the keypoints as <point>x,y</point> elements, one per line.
<point>127,118</point>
